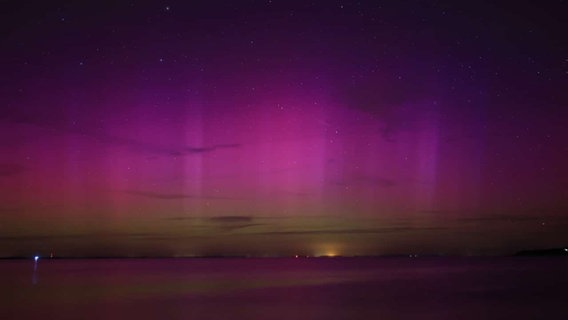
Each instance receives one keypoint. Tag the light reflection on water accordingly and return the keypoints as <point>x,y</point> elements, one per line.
<point>340,288</point>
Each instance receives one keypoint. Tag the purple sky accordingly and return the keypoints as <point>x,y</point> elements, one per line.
<point>282,127</point>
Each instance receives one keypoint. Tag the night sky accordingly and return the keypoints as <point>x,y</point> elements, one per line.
<point>267,128</point>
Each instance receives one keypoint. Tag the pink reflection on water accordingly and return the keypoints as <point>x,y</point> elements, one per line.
<point>341,288</point>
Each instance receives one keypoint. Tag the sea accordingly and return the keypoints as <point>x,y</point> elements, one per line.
<point>286,288</point>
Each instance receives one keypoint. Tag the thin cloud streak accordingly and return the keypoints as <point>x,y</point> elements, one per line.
<point>173,196</point>
<point>350,231</point>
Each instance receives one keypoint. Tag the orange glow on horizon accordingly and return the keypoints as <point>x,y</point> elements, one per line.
<point>327,251</point>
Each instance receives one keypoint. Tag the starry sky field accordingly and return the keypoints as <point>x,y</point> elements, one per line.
<point>184,128</point>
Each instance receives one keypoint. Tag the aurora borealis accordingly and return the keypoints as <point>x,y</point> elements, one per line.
<point>270,128</point>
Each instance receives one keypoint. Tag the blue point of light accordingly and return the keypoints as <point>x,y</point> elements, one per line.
<point>36,258</point>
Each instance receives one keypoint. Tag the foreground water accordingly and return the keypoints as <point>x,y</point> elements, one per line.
<point>338,288</point>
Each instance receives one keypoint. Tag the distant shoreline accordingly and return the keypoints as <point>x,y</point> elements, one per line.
<point>551,252</point>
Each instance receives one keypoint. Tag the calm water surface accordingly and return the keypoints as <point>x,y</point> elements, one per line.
<point>339,288</point>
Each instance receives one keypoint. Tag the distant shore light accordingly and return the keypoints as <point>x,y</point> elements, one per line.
<point>36,258</point>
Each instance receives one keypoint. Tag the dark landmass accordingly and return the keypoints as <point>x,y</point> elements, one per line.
<point>543,252</point>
